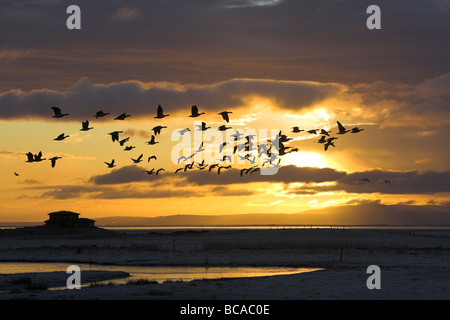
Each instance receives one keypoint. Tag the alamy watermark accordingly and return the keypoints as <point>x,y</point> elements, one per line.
<point>73,22</point>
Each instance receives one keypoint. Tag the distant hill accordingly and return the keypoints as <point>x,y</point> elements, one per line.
<point>365,213</point>
<point>370,213</point>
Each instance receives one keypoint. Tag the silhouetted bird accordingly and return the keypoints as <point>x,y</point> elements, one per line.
<point>194,112</point>
<point>139,159</point>
<point>224,115</point>
<point>203,127</point>
<point>16,174</point>
<point>122,116</point>
<point>61,137</point>
<point>313,131</point>
<point>53,160</point>
<point>151,157</point>
<point>159,170</point>
<point>160,113</point>
<point>110,164</point>
<point>387,181</point>
<point>58,113</point>
<point>115,135</point>
<point>152,141</point>
<point>183,131</point>
<point>30,157</point>
<point>122,142</point>
<point>100,114</point>
<point>157,129</point>
<point>325,132</point>
<point>322,139</point>
<point>85,126</point>
<point>128,148</point>
<point>213,166</point>
<point>365,180</point>
<point>341,128</point>
<point>223,128</point>
<point>356,130</point>
<point>223,167</point>
<point>329,143</point>
<point>150,171</point>
<point>178,170</point>
<point>296,130</point>
<point>38,157</point>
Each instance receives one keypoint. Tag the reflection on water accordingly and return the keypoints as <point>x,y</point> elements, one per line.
<point>158,274</point>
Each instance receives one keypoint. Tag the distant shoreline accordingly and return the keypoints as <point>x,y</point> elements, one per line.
<point>5,226</point>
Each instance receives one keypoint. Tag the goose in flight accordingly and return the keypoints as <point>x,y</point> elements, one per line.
<point>213,166</point>
<point>365,180</point>
<point>115,135</point>
<point>225,116</point>
<point>16,174</point>
<point>188,166</point>
<point>122,116</point>
<point>342,129</point>
<point>53,160</point>
<point>128,148</point>
<point>157,129</point>
<point>159,170</point>
<point>100,114</point>
<point>296,130</point>
<point>61,137</point>
<point>325,132</point>
<point>195,113</point>
<point>356,130</point>
<point>160,113</point>
<point>237,135</point>
<point>139,159</point>
<point>221,146</point>
<point>57,113</point>
<point>203,127</point>
<point>152,141</point>
<point>313,131</point>
<point>151,157</point>
<point>329,143</point>
<point>223,167</point>
<point>179,169</point>
<point>38,157</point>
<point>284,138</point>
<point>110,164</point>
<point>150,171</point>
<point>247,170</point>
<point>226,158</point>
<point>85,126</point>
<point>387,181</point>
<point>30,157</point>
<point>183,131</point>
<point>322,139</point>
<point>223,128</point>
<point>122,142</point>
<point>200,148</point>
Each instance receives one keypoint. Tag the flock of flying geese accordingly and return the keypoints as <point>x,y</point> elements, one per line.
<point>263,149</point>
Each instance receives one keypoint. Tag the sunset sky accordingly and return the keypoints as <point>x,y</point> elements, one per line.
<point>274,64</point>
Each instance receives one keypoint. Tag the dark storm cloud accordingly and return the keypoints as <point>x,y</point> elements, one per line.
<point>204,41</point>
<point>84,98</point>
<point>410,182</point>
<point>399,182</point>
<point>285,174</point>
<point>125,175</point>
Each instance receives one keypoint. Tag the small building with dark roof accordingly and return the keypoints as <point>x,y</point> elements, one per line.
<point>68,219</point>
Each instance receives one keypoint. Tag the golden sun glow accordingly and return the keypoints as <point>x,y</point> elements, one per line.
<point>306,159</point>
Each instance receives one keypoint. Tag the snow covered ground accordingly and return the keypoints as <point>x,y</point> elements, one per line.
<point>414,264</point>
